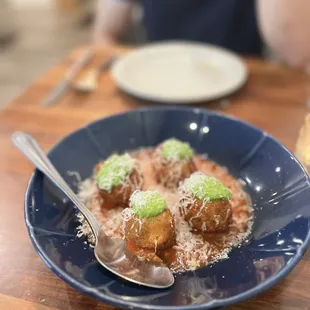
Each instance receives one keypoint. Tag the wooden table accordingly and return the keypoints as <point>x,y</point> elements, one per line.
<point>273,99</point>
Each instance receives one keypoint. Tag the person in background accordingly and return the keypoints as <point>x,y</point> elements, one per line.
<point>243,26</point>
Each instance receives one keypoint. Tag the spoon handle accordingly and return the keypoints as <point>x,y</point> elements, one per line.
<point>31,149</point>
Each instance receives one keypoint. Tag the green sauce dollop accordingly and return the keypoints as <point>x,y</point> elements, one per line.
<point>147,204</point>
<point>174,149</point>
<point>206,188</point>
<point>114,171</point>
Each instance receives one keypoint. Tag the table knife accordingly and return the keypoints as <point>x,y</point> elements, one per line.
<point>64,85</point>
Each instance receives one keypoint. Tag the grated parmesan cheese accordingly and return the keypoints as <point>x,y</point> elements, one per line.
<point>192,250</point>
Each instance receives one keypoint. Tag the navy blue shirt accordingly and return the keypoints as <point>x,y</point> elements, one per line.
<point>228,23</point>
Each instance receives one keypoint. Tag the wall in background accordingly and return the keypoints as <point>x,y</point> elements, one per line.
<point>31,3</point>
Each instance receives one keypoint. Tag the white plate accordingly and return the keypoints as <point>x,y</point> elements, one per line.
<point>179,72</point>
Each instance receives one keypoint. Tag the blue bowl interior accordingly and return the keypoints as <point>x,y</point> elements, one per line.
<point>278,186</point>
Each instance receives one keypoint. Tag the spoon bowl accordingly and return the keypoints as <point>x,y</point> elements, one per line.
<point>113,254</point>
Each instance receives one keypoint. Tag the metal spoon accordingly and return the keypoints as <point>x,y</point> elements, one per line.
<point>112,253</point>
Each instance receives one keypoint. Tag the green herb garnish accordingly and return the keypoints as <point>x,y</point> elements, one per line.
<point>147,204</point>
<point>206,188</point>
<point>114,171</point>
<point>174,149</point>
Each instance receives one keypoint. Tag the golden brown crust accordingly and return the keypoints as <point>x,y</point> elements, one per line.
<point>154,233</point>
<point>212,217</point>
<point>171,173</point>
<point>119,195</point>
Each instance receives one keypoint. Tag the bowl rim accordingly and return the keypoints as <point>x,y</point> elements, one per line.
<point>93,292</point>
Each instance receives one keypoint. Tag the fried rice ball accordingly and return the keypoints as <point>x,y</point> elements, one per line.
<point>173,162</point>
<point>205,204</point>
<point>117,178</point>
<point>148,223</point>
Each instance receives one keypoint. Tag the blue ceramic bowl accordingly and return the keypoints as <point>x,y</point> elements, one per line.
<point>277,184</point>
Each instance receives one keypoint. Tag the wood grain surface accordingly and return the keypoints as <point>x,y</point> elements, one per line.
<point>274,99</point>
